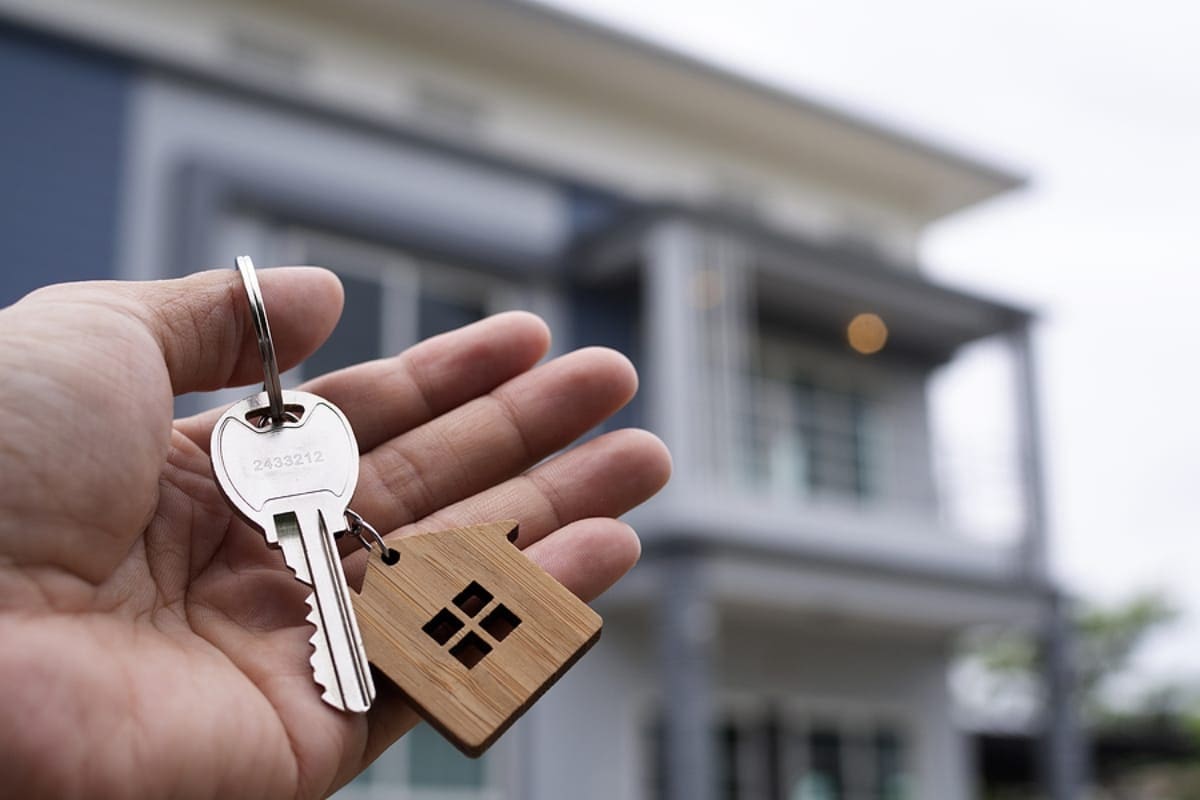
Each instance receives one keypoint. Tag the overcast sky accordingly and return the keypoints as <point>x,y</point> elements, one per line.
<point>1099,102</point>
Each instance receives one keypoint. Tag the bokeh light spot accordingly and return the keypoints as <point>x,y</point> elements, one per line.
<point>867,333</point>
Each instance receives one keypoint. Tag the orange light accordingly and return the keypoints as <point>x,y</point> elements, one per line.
<point>867,333</point>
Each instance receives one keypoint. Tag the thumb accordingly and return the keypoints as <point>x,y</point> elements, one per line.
<point>83,356</point>
<point>203,323</point>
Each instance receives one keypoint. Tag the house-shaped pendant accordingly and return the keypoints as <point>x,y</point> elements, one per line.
<point>470,629</point>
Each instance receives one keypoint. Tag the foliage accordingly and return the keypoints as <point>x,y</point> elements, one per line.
<point>1106,639</point>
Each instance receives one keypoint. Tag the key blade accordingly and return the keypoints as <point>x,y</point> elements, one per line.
<point>287,531</point>
<point>321,661</point>
<point>355,689</point>
<point>349,688</point>
<point>339,660</point>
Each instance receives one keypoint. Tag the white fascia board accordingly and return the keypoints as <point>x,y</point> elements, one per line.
<point>565,95</point>
<point>603,63</point>
<point>880,541</point>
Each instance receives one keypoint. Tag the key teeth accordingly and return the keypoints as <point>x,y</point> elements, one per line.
<point>294,567</point>
<point>313,617</point>
<point>331,694</point>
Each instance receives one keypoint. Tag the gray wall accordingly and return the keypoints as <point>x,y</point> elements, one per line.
<point>202,151</point>
<point>601,710</point>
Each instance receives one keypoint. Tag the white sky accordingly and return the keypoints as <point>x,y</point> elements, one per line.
<point>1099,102</point>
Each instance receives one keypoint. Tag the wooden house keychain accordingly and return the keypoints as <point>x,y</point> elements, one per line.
<point>467,627</point>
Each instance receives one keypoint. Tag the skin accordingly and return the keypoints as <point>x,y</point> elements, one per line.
<point>153,645</point>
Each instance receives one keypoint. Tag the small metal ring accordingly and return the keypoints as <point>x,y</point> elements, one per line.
<point>357,525</point>
<point>266,346</point>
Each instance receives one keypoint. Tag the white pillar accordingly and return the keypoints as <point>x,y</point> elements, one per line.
<point>670,380</point>
<point>688,631</point>
<point>1033,550</point>
<point>698,325</point>
<point>674,379</point>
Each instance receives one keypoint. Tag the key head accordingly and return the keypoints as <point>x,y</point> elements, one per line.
<point>259,467</point>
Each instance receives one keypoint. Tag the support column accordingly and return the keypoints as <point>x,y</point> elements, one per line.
<point>678,377</point>
<point>688,628</point>
<point>1033,550</point>
<point>670,380</point>
<point>698,319</point>
<point>722,300</point>
<point>1064,762</point>
<point>1064,752</point>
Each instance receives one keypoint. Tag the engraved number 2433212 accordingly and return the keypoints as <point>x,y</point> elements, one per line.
<point>272,463</point>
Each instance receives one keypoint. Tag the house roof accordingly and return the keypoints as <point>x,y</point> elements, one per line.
<point>675,94</point>
<point>617,66</point>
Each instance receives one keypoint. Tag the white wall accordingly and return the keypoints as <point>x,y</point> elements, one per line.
<point>584,739</point>
<point>598,715</point>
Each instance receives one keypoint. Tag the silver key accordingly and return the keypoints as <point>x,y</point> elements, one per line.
<point>294,480</point>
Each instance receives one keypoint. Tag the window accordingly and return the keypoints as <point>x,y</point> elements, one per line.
<point>424,766</point>
<point>433,763</point>
<point>357,337</point>
<point>828,432</point>
<point>443,310</point>
<point>823,778</point>
<point>888,752</point>
<point>772,755</point>
<point>810,427</point>
<point>394,300</point>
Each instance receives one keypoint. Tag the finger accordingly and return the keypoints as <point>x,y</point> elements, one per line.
<point>384,398</point>
<point>588,556</point>
<point>494,437</point>
<point>115,350</point>
<point>604,477</point>
<point>203,326</point>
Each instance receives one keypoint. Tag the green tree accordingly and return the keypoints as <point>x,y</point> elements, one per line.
<point>1107,638</point>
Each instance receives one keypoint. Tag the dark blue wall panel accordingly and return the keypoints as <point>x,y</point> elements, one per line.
<point>592,209</point>
<point>62,122</point>
<point>610,317</point>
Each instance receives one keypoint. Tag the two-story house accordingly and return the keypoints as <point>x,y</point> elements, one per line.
<point>789,631</point>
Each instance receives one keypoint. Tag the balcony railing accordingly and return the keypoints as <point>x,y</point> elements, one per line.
<point>775,424</point>
<point>804,444</point>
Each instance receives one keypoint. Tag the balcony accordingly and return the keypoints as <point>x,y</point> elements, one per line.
<point>921,458</point>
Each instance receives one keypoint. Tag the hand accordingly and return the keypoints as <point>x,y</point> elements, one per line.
<point>151,644</point>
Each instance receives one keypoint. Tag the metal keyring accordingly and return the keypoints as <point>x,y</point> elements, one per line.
<point>356,527</point>
<point>266,347</point>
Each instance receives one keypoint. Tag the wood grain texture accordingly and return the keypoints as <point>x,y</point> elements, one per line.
<point>470,705</point>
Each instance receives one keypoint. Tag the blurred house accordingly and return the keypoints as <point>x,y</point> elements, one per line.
<point>808,570</point>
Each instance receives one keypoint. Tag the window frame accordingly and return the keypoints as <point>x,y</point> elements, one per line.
<point>402,277</point>
<point>856,721</point>
<point>780,359</point>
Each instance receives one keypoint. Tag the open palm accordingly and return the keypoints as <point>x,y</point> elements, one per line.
<point>151,644</point>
